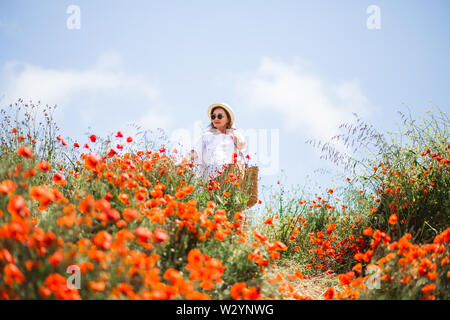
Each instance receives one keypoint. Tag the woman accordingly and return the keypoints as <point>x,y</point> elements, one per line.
<point>215,149</point>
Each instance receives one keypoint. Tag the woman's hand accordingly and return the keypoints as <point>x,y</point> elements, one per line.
<point>192,156</point>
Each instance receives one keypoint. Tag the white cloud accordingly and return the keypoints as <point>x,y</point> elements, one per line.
<point>103,96</point>
<point>307,103</point>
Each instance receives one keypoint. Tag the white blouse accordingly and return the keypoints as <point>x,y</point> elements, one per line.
<point>214,149</point>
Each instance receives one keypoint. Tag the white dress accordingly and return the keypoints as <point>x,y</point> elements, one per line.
<point>215,149</point>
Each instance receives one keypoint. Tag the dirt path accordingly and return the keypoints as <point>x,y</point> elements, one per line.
<point>316,286</point>
<point>313,287</point>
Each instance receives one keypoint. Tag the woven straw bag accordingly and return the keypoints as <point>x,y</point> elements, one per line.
<point>248,177</point>
<point>251,175</point>
<point>250,181</point>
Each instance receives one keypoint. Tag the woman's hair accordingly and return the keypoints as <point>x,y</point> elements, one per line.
<point>211,126</point>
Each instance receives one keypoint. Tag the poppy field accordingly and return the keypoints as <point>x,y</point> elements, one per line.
<point>115,218</point>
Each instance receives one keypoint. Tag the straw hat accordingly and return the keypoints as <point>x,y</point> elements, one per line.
<point>224,106</point>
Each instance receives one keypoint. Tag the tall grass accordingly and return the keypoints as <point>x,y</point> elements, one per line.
<point>141,227</point>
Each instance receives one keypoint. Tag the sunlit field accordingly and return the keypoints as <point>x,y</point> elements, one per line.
<point>111,218</point>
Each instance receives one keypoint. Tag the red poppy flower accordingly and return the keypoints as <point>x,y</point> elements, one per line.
<point>393,219</point>
<point>25,152</point>
<point>329,294</point>
<point>43,166</point>
<point>160,235</point>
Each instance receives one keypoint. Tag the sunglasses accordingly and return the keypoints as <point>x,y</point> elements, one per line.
<point>219,116</point>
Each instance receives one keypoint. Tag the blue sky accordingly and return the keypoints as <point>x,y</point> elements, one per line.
<point>299,68</point>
